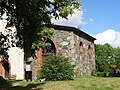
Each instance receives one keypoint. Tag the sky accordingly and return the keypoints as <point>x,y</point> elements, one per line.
<point>99,18</point>
<point>100,15</point>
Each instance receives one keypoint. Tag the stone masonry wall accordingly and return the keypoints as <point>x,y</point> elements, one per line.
<point>68,43</point>
<point>80,50</point>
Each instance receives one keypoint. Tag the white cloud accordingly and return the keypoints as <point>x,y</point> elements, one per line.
<point>73,20</point>
<point>109,36</point>
<point>91,20</point>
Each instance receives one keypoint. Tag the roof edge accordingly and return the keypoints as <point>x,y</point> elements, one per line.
<point>70,28</point>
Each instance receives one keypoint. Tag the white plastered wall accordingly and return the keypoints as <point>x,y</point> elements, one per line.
<point>16,58</point>
<point>16,55</point>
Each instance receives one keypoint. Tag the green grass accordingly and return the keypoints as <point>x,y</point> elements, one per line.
<point>85,83</point>
<point>79,83</point>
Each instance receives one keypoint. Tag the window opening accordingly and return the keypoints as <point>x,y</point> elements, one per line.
<point>81,47</point>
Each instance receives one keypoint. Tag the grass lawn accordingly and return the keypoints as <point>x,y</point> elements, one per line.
<point>79,83</point>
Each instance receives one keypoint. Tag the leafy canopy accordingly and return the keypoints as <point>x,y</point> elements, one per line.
<point>106,56</point>
<point>30,17</point>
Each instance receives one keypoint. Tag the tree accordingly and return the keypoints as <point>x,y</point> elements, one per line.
<point>6,41</point>
<point>30,17</point>
<point>107,57</point>
<point>104,57</point>
<point>117,57</point>
<point>3,46</point>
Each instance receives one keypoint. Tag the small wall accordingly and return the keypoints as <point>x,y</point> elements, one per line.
<point>16,58</point>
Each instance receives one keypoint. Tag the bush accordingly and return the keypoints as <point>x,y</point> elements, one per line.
<point>101,74</point>
<point>56,68</point>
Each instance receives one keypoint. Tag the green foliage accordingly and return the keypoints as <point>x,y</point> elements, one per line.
<point>46,32</point>
<point>57,68</point>
<point>117,57</point>
<point>106,56</point>
<point>101,74</point>
<point>43,35</point>
<point>29,17</point>
<point>3,46</point>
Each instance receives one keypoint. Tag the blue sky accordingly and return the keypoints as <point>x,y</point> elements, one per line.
<point>99,18</point>
<point>100,15</point>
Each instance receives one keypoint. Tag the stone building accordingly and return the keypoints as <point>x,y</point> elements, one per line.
<point>73,43</point>
<point>69,41</point>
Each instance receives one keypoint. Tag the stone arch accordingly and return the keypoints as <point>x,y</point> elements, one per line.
<point>50,49</point>
<point>5,68</point>
<point>42,54</point>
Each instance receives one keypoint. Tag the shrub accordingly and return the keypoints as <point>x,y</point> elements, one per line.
<point>101,74</point>
<point>57,68</point>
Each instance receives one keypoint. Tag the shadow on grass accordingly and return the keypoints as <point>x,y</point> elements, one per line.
<point>6,85</point>
<point>28,87</point>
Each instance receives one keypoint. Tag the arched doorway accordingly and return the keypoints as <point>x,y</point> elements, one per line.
<point>43,53</point>
<point>50,49</point>
<point>4,68</point>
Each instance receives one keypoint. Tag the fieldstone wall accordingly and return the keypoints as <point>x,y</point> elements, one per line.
<point>73,45</point>
<point>68,43</point>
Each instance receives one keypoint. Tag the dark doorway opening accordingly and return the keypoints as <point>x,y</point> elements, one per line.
<point>5,69</point>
